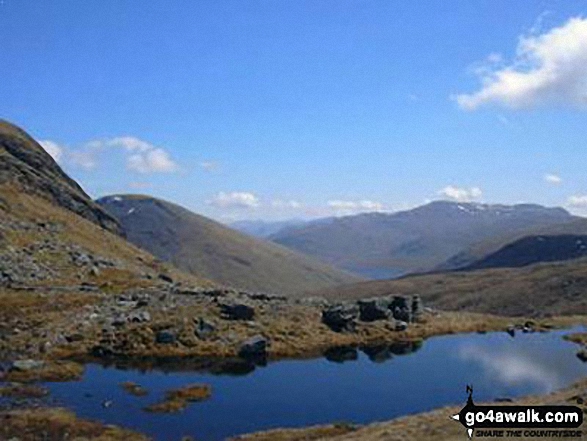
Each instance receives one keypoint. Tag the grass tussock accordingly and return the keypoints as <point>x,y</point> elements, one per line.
<point>178,399</point>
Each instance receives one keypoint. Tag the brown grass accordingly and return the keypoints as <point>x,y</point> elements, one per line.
<point>178,399</point>
<point>58,425</point>
<point>16,390</point>
<point>52,371</point>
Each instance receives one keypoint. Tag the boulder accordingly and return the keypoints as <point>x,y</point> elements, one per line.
<point>237,311</point>
<point>400,309</point>
<point>255,347</point>
<point>340,318</point>
<point>203,328</point>
<point>417,308</point>
<point>582,355</point>
<point>27,365</point>
<point>165,337</point>
<point>401,325</point>
<point>373,309</point>
<point>511,330</point>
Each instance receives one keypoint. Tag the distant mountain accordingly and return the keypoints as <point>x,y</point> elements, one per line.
<point>200,245</point>
<point>380,245</point>
<point>264,229</point>
<point>51,232</point>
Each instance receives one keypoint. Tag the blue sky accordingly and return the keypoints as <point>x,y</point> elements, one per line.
<point>279,109</point>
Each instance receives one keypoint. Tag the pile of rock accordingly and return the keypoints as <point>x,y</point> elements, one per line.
<point>341,317</point>
<point>404,310</point>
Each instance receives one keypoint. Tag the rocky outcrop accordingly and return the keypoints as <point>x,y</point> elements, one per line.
<point>340,318</point>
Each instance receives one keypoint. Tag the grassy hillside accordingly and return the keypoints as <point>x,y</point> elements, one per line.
<point>200,245</point>
<point>52,234</point>
<point>538,290</point>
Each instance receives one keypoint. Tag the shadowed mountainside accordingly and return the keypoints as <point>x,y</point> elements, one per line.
<point>200,245</point>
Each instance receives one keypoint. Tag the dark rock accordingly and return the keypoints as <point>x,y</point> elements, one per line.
<point>74,337</point>
<point>401,325</point>
<point>417,308</point>
<point>203,328</point>
<point>400,308</point>
<point>165,278</point>
<point>165,337</point>
<point>373,309</point>
<point>582,355</point>
<point>340,318</point>
<point>511,330</point>
<point>254,347</point>
<point>237,311</point>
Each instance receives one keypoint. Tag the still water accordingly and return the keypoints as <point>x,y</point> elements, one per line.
<point>374,384</point>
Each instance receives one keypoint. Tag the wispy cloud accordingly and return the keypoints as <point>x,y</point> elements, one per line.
<point>553,179</point>
<point>579,201</point>
<point>548,68</point>
<point>461,194</point>
<point>346,207</point>
<point>140,156</point>
<point>144,157</point>
<point>240,200</point>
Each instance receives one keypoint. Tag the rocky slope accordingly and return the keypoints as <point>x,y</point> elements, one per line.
<point>200,245</point>
<point>380,245</point>
<point>24,163</point>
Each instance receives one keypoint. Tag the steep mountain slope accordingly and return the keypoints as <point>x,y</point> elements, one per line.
<point>478,251</point>
<point>542,289</point>
<point>388,245</point>
<point>200,245</point>
<point>24,162</point>
<point>534,249</point>
<point>52,234</point>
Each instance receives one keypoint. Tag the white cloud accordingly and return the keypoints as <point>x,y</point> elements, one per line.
<point>342,207</point>
<point>553,179</point>
<point>144,157</point>
<point>577,201</point>
<point>548,68</point>
<point>235,200</point>
<point>461,194</point>
<point>54,149</point>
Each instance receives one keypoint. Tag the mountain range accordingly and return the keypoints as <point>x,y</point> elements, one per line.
<point>441,235</point>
